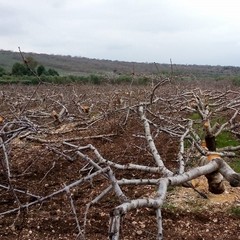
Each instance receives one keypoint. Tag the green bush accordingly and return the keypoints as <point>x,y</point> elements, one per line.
<point>95,79</point>
<point>143,80</point>
<point>82,79</point>
<point>2,81</point>
<point>19,69</point>
<point>52,72</point>
<point>2,71</point>
<point>236,81</point>
<point>41,70</point>
<point>124,79</point>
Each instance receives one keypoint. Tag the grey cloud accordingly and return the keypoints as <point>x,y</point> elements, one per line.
<point>132,30</point>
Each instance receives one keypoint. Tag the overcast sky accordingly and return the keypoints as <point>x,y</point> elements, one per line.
<point>187,31</point>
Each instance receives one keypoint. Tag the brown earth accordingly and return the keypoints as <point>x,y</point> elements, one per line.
<point>38,168</point>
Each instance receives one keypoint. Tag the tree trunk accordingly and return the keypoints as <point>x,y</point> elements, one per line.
<point>215,179</point>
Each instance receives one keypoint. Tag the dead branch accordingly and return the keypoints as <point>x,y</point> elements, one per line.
<point>80,232</point>
<point>160,83</point>
<point>60,191</point>
<point>181,150</point>
<point>41,140</point>
<point>5,160</point>
<point>215,165</point>
<point>152,146</point>
<point>129,166</point>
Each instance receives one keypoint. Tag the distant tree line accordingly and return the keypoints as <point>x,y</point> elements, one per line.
<point>110,72</point>
<point>30,67</point>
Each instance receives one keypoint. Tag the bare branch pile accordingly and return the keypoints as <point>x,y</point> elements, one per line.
<point>70,154</point>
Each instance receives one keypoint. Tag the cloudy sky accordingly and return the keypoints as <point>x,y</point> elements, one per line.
<point>187,31</point>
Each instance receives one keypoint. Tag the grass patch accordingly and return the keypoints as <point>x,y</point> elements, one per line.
<point>195,116</point>
<point>235,211</point>
<point>235,165</point>
<point>225,139</point>
<point>170,207</point>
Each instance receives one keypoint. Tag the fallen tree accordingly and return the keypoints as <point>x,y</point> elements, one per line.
<point>84,137</point>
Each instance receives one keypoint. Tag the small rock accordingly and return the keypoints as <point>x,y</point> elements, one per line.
<point>139,232</point>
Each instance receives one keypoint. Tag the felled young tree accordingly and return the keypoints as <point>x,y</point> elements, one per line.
<point>207,106</point>
<point>214,167</point>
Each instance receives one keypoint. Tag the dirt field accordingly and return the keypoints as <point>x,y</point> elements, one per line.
<point>41,163</point>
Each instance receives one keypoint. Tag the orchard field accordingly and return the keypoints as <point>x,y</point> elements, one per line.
<point>158,161</point>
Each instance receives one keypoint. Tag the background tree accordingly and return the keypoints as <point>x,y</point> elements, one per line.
<point>19,69</point>
<point>52,72</point>
<point>41,70</point>
<point>2,71</point>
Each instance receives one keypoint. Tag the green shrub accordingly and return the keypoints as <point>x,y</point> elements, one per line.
<point>52,72</point>
<point>82,79</point>
<point>41,70</point>
<point>95,79</point>
<point>19,69</point>
<point>236,81</point>
<point>2,71</point>
<point>2,81</point>
<point>124,79</point>
<point>143,80</point>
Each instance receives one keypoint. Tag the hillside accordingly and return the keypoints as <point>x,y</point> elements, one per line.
<point>81,65</point>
